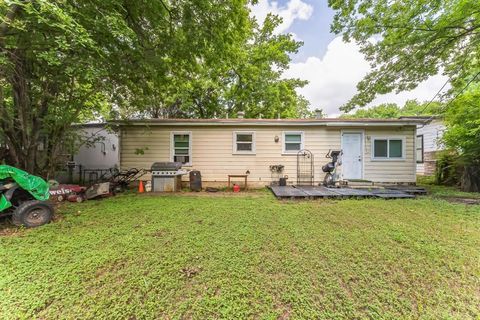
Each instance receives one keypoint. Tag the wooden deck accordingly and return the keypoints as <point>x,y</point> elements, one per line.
<point>319,192</point>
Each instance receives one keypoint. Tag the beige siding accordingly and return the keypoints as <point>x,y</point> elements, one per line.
<point>212,152</point>
<point>391,170</point>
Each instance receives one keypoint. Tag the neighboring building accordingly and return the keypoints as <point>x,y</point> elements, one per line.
<point>97,154</point>
<point>102,150</point>
<point>428,142</point>
<point>376,150</point>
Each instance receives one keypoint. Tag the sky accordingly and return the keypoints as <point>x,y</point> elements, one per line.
<point>332,67</point>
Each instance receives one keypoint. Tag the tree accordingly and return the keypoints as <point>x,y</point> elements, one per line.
<point>409,41</point>
<point>392,110</point>
<point>64,62</point>
<point>462,138</point>
<point>386,111</point>
<point>248,78</point>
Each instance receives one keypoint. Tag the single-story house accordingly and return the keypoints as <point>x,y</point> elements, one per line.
<point>377,150</point>
<point>429,142</point>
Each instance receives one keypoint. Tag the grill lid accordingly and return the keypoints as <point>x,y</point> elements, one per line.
<point>166,166</point>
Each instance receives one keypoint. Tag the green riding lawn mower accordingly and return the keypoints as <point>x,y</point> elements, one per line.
<point>24,197</point>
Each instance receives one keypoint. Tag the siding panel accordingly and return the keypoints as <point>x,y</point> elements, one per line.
<point>212,150</point>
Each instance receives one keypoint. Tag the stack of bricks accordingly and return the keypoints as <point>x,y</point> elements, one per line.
<point>430,162</point>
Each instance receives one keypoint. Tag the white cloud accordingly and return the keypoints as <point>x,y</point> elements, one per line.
<point>333,79</point>
<point>293,10</point>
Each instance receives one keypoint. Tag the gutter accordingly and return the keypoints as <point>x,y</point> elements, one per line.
<point>269,124</point>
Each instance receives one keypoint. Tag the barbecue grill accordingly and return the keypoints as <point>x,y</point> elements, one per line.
<point>167,176</point>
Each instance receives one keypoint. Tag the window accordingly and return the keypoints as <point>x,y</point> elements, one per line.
<point>292,142</point>
<point>388,148</point>
<point>181,147</point>
<point>419,148</point>
<point>244,142</point>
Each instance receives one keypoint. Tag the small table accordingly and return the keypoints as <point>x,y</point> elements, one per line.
<point>238,176</point>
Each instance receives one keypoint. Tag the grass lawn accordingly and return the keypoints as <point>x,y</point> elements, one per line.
<point>245,256</point>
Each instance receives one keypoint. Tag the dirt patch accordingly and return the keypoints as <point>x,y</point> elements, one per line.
<point>10,231</point>
<point>462,200</point>
<point>190,272</point>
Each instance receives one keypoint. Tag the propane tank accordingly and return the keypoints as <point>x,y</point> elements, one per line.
<point>148,186</point>
<point>236,188</point>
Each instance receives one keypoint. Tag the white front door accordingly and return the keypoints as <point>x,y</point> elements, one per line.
<point>352,160</point>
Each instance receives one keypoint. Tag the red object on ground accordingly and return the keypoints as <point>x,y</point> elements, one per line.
<point>62,191</point>
<point>141,189</point>
<point>75,198</point>
<point>236,188</point>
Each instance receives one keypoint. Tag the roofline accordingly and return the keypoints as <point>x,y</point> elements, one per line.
<point>90,125</point>
<point>335,122</point>
<point>423,118</point>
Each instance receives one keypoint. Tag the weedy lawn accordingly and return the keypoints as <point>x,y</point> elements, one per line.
<point>245,256</point>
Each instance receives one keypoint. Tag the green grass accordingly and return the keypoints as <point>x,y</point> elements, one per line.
<point>443,191</point>
<point>245,256</point>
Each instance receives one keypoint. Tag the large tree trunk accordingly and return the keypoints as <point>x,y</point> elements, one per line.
<point>470,180</point>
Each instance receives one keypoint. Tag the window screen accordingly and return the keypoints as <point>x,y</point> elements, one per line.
<point>380,148</point>
<point>388,148</point>
<point>293,142</point>
<point>181,148</point>
<point>244,142</point>
<point>395,149</point>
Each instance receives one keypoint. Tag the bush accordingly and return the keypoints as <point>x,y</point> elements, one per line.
<point>453,170</point>
<point>447,169</point>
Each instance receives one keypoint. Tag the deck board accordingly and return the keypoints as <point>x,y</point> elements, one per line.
<point>287,192</point>
<point>309,192</point>
<point>318,191</point>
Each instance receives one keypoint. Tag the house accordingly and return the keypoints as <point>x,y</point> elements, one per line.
<point>377,150</point>
<point>428,142</point>
<point>97,153</point>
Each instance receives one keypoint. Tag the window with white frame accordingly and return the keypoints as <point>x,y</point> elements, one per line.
<point>292,141</point>
<point>181,147</point>
<point>388,148</point>
<point>244,142</point>
<point>419,148</point>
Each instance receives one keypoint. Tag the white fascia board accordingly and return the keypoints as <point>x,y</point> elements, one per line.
<point>281,124</point>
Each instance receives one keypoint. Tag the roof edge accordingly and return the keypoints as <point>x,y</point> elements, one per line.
<point>334,122</point>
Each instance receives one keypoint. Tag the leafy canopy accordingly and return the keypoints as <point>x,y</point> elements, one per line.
<point>463,122</point>
<point>64,62</point>
<point>392,110</point>
<point>407,41</point>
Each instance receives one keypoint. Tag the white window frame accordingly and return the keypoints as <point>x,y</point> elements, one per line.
<point>302,142</point>
<point>172,146</point>
<point>234,139</point>
<point>421,147</point>
<point>388,158</point>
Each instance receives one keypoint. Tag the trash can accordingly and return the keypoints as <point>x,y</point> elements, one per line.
<point>195,180</point>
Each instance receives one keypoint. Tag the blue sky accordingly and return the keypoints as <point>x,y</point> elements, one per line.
<point>314,32</point>
<point>332,67</point>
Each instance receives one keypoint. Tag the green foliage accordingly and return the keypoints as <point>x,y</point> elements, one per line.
<point>463,121</point>
<point>392,110</point>
<point>245,257</point>
<point>64,62</point>
<point>247,79</point>
<point>447,169</point>
<point>409,41</point>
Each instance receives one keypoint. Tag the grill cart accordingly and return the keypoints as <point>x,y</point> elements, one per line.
<point>167,176</point>
<point>24,197</point>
